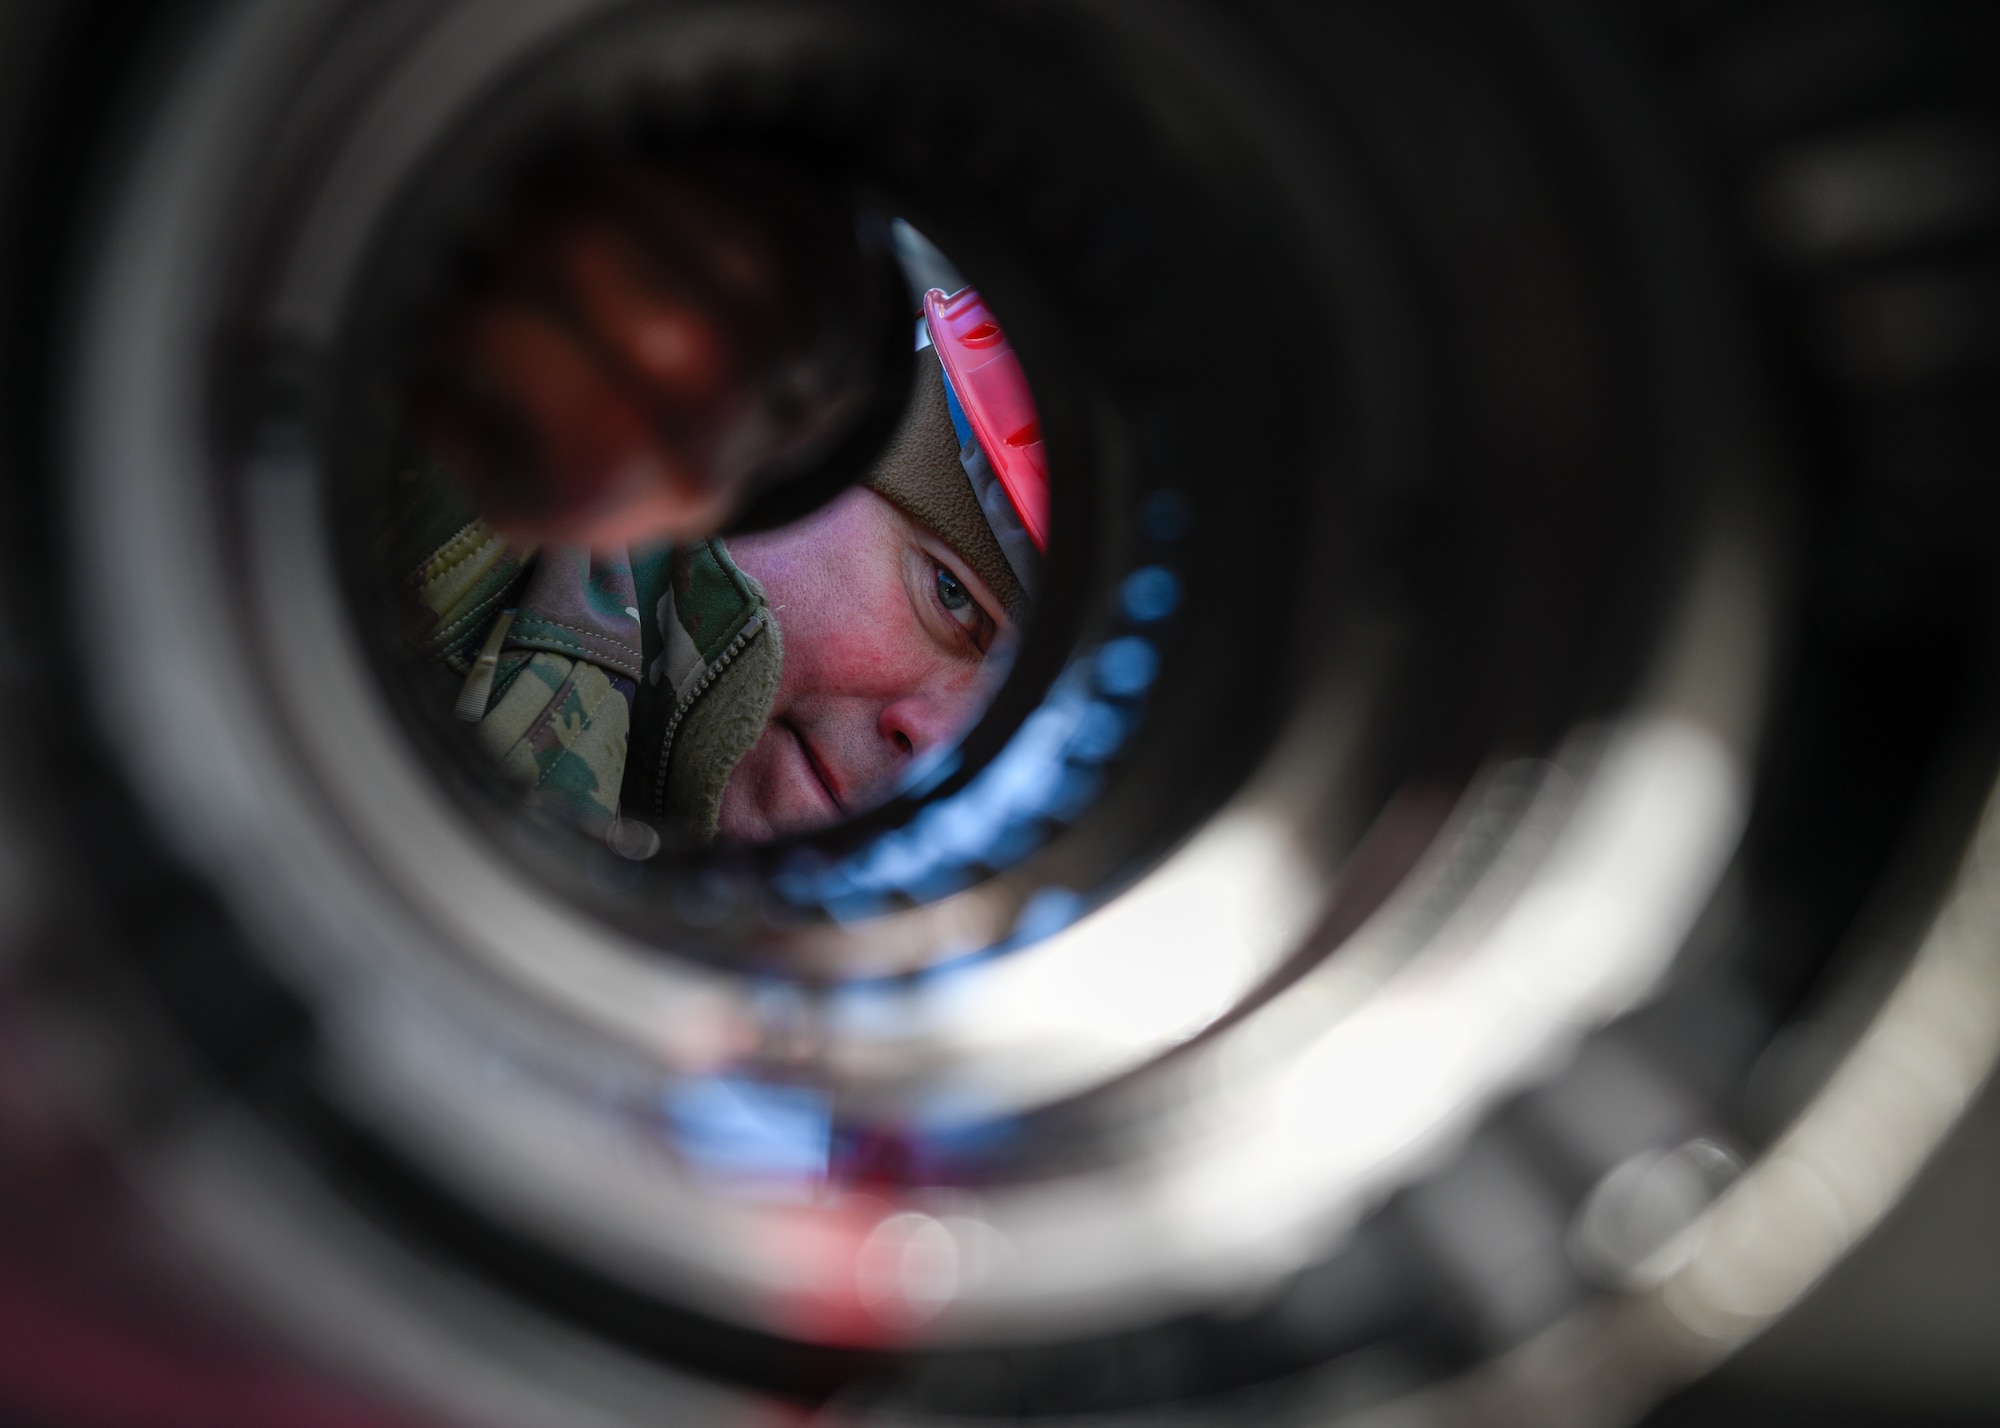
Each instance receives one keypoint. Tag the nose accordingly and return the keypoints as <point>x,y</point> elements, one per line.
<point>917,722</point>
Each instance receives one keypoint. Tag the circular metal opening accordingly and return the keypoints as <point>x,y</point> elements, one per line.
<point>1341,948</point>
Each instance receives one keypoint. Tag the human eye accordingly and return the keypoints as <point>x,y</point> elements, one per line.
<point>958,603</point>
<point>951,592</point>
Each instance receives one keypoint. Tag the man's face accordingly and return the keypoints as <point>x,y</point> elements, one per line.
<point>889,645</point>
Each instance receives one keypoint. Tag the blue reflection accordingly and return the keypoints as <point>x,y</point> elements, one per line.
<point>875,1006</point>
<point>1100,733</point>
<point>1075,791</point>
<point>942,1154</point>
<point>797,878</point>
<point>1048,912</point>
<point>941,882</point>
<point>1127,668</point>
<point>931,770</point>
<point>735,1126</point>
<point>1151,594</point>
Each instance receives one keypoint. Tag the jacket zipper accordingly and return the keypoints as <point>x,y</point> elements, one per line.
<point>750,631</point>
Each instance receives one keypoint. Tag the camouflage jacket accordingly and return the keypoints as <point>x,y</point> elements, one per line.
<point>614,688</point>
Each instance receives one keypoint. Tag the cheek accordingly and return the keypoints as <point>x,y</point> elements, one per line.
<point>857,635</point>
<point>837,583</point>
<point>854,656</point>
<point>744,816</point>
